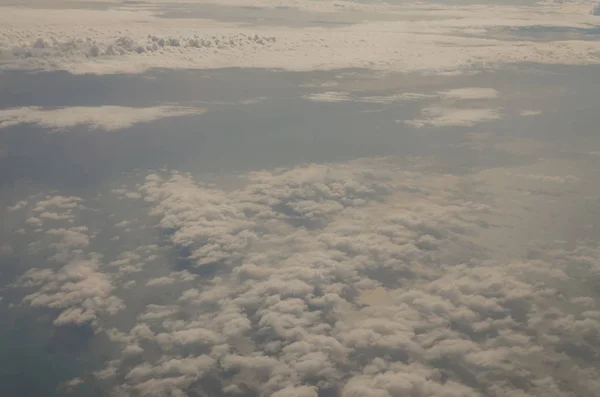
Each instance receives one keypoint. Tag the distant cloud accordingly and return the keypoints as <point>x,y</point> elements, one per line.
<point>329,96</point>
<point>436,115</point>
<point>469,93</point>
<point>108,118</point>
<point>436,40</point>
<point>19,205</point>
<point>529,113</point>
<point>342,96</point>
<point>549,178</point>
<point>439,116</point>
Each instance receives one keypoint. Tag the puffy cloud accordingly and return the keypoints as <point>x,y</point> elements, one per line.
<point>108,118</point>
<point>19,205</point>
<point>78,290</point>
<point>349,279</point>
<point>134,261</point>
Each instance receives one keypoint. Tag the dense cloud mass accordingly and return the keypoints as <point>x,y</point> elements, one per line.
<point>356,279</point>
<point>323,35</point>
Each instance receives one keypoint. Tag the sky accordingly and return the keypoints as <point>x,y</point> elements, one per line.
<point>308,198</point>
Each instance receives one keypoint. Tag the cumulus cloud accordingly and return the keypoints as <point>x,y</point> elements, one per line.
<point>17,206</point>
<point>355,279</point>
<point>77,290</point>
<point>439,116</point>
<point>108,118</point>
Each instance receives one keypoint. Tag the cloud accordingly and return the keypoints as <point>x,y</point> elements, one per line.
<point>529,113</point>
<point>364,278</point>
<point>108,118</point>
<point>549,178</point>
<point>78,291</point>
<point>469,93</point>
<point>333,96</point>
<point>406,38</point>
<point>439,116</point>
<point>329,96</point>
<point>19,205</point>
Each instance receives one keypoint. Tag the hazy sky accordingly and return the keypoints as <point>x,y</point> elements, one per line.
<point>299,199</point>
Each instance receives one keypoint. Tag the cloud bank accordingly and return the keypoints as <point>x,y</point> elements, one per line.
<point>404,38</point>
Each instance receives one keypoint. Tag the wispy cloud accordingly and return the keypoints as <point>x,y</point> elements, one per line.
<point>108,118</point>
<point>440,116</point>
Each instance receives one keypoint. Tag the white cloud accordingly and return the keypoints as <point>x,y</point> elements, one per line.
<point>420,39</point>
<point>329,96</point>
<point>439,116</point>
<point>78,290</point>
<point>19,205</point>
<point>469,93</point>
<point>335,96</point>
<point>108,118</point>
<point>529,113</point>
<point>354,279</point>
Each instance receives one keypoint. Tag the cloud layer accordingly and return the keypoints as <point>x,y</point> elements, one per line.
<point>398,38</point>
<point>355,279</point>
